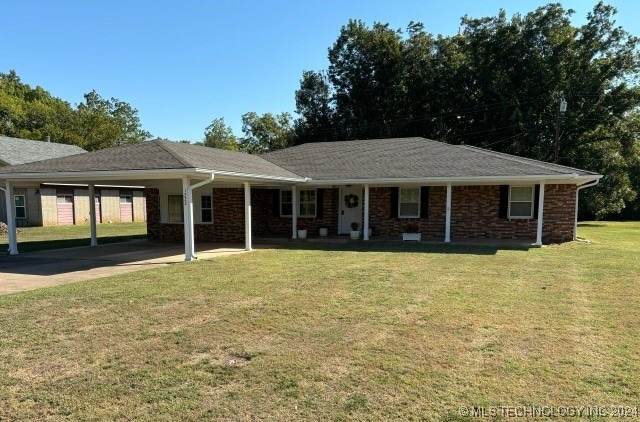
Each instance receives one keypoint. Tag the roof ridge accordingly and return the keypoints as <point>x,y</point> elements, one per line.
<point>173,153</point>
<point>516,158</point>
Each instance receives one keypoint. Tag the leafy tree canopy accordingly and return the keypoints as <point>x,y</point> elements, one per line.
<point>219,135</point>
<point>267,132</point>
<point>33,113</point>
<point>495,84</point>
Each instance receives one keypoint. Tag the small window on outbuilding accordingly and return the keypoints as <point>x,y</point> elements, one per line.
<point>21,206</point>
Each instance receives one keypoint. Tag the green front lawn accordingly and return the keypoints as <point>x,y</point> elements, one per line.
<point>56,237</point>
<point>349,332</point>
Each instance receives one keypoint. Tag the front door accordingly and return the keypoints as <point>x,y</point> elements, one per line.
<point>350,208</point>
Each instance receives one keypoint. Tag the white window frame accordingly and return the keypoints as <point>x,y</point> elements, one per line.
<point>127,197</point>
<point>24,201</point>
<point>315,203</point>
<point>533,203</point>
<point>181,207</point>
<point>209,208</point>
<point>400,202</point>
<point>298,214</point>
<point>65,196</point>
<point>282,191</point>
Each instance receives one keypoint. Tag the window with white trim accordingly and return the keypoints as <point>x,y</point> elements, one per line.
<point>126,199</point>
<point>286,203</point>
<point>409,203</point>
<point>307,203</point>
<point>206,211</point>
<point>21,206</point>
<point>521,201</point>
<point>175,208</point>
<point>64,198</point>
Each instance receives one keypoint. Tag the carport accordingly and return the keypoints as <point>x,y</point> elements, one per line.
<point>150,164</point>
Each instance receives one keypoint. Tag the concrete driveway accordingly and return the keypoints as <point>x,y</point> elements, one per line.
<point>33,270</point>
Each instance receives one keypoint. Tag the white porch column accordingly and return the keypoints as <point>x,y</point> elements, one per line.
<point>92,214</point>
<point>540,216</point>
<point>447,223</point>
<point>247,216</point>
<point>294,211</point>
<point>11,219</point>
<point>188,220</point>
<point>366,213</point>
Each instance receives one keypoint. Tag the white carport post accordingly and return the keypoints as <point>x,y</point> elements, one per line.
<point>540,217</point>
<point>11,219</point>
<point>366,213</point>
<point>188,220</point>
<point>92,214</point>
<point>294,212</point>
<point>247,216</point>
<point>447,222</point>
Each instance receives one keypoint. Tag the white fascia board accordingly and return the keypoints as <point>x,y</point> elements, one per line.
<point>565,178</point>
<point>102,175</point>
<point>251,176</point>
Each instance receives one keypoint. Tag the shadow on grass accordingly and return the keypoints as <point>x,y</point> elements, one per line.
<point>592,224</point>
<point>402,247</point>
<point>43,245</point>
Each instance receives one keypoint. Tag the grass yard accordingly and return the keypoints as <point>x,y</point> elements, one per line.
<point>404,332</point>
<point>55,237</point>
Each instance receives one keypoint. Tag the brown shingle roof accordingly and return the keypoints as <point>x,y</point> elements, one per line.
<point>407,158</point>
<point>19,151</point>
<point>157,155</point>
<point>401,158</point>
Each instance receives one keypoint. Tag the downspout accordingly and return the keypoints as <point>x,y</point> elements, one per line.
<point>575,222</point>
<point>190,197</point>
<point>5,193</point>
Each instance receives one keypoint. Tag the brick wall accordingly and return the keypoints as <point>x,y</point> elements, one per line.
<point>228,215</point>
<point>559,213</point>
<point>266,221</point>
<point>474,214</point>
<point>384,225</point>
<point>152,196</point>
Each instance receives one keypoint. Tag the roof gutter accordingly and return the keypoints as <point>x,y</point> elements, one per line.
<point>573,178</point>
<point>575,222</point>
<point>258,176</point>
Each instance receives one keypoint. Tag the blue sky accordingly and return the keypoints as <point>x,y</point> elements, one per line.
<point>182,64</point>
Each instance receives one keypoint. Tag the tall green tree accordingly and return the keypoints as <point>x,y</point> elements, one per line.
<point>34,113</point>
<point>265,133</point>
<point>495,84</point>
<point>219,135</point>
<point>105,123</point>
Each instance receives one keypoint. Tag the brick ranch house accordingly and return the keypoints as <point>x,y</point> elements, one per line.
<point>454,192</point>
<point>43,204</point>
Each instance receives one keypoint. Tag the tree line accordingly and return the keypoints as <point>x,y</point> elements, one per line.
<point>95,123</point>
<point>497,84</point>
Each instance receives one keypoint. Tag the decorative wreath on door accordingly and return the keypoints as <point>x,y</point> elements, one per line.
<point>351,200</point>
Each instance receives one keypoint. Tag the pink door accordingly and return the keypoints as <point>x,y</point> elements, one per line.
<point>98,203</point>
<point>65,208</point>
<point>126,208</point>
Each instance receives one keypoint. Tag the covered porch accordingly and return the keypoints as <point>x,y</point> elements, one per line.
<point>174,168</point>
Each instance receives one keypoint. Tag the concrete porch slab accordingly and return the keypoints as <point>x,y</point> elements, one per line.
<point>34,270</point>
